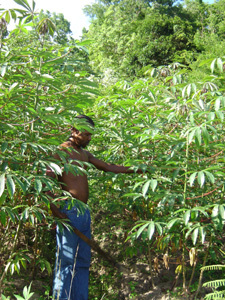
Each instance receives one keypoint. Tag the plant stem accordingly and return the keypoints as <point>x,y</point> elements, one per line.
<point>183,265</point>
<point>12,252</point>
<point>150,265</point>
<point>192,275</point>
<point>201,273</point>
<point>186,169</point>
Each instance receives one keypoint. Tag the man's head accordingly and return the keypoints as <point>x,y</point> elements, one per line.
<point>82,137</point>
<point>87,119</point>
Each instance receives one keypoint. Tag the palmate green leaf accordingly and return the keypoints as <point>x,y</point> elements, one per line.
<point>13,86</point>
<point>47,76</point>
<point>140,230</point>
<point>220,115</point>
<point>220,64</point>
<point>38,185</point>
<point>21,184</point>
<point>215,211</point>
<point>153,184</point>
<point>2,184</point>
<point>10,185</point>
<point>151,230</point>
<point>159,228</point>
<point>11,213</point>
<point>172,222</point>
<point>222,212</point>
<point>192,178</point>
<point>195,235</point>
<point>211,116</point>
<point>202,234</point>
<point>3,69</point>
<point>191,135</point>
<point>24,3</point>
<point>210,176</point>
<point>55,168</point>
<point>206,136</point>
<point>46,23</point>
<point>198,137</point>
<point>212,66</point>
<point>201,178</point>
<point>217,104</point>
<point>33,5</point>
<point>187,216</point>
<point>146,187</point>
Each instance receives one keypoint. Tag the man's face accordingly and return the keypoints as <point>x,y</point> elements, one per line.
<point>83,138</point>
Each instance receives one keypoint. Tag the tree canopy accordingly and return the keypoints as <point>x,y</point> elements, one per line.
<point>154,85</point>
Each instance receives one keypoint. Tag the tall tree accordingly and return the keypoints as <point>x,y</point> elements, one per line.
<point>132,34</point>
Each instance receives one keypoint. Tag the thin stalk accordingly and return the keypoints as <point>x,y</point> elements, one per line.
<point>37,94</point>
<point>12,251</point>
<point>3,239</point>
<point>35,249</point>
<point>186,169</point>
<point>150,265</point>
<point>192,276</point>
<point>201,273</point>
<point>183,266</point>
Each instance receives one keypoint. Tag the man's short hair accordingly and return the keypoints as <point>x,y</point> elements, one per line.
<point>89,120</point>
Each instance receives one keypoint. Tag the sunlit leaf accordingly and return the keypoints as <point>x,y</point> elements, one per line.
<point>38,185</point>
<point>10,185</point>
<point>2,184</point>
<point>220,64</point>
<point>192,178</point>
<point>202,234</point>
<point>54,167</point>
<point>201,178</point>
<point>195,235</point>
<point>151,230</point>
<point>153,184</point>
<point>141,229</point>
<point>146,187</point>
<point>210,176</point>
<point>222,211</point>
<point>217,104</point>
<point>187,216</point>
<point>215,211</point>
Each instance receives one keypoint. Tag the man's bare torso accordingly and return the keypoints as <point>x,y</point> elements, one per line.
<point>76,185</point>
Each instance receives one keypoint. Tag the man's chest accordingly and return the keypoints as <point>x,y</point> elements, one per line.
<point>76,156</point>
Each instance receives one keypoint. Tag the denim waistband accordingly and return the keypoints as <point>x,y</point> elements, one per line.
<point>73,205</point>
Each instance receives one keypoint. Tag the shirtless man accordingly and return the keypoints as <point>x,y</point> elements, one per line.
<point>73,254</point>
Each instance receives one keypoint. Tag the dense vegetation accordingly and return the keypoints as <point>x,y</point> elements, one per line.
<point>154,85</point>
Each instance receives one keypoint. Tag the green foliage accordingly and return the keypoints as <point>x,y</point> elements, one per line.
<point>174,131</point>
<point>43,85</point>
<point>169,123</point>
<point>130,35</point>
<point>62,30</point>
<point>26,294</point>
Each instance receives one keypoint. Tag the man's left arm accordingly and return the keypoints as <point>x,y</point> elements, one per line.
<point>106,167</point>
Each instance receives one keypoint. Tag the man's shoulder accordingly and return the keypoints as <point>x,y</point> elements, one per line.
<point>88,154</point>
<point>65,145</point>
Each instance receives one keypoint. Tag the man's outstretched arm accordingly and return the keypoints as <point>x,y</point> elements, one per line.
<point>106,167</point>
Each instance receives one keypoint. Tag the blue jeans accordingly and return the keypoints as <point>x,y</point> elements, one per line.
<point>73,258</point>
